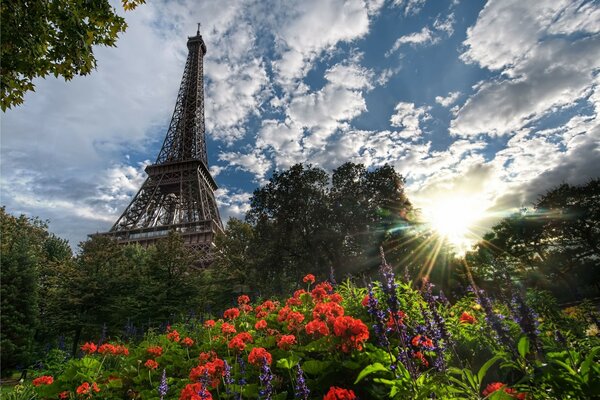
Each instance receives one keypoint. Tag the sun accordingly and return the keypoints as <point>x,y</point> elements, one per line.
<point>454,218</point>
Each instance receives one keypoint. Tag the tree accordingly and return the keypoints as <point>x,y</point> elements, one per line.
<point>43,37</point>
<point>22,252</point>
<point>556,241</point>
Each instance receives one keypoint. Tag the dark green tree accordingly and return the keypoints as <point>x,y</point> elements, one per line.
<point>22,252</point>
<point>44,37</point>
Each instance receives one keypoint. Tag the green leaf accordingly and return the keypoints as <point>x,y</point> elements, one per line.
<point>484,369</point>
<point>523,346</point>
<point>587,363</point>
<point>369,369</point>
<point>288,363</point>
<point>315,367</point>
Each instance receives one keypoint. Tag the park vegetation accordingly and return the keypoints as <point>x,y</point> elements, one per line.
<point>336,267</point>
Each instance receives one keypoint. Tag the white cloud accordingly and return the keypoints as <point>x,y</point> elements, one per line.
<point>232,203</point>
<point>423,37</point>
<point>409,118</point>
<point>411,7</point>
<point>253,162</point>
<point>448,100</point>
<point>540,72</point>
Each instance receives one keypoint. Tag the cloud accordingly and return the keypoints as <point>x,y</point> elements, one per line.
<point>411,7</point>
<point>540,72</point>
<point>425,36</point>
<point>232,204</point>
<point>305,29</point>
<point>409,118</point>
<point>448,100</point>
<point>253,162</point>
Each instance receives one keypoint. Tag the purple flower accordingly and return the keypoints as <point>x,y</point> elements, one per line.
<point>379,317</point>
<point>265,377</point>
<point>163,388</point>
<point>227,376</point>
<point>302,391</point>
<point>494,320</point>
<point>526,318</point>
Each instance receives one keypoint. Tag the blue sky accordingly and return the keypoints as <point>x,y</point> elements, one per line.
<point>490,103</point>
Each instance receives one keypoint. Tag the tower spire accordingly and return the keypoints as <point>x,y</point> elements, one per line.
<point>178,194</point>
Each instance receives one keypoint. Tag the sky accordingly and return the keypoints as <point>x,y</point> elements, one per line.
<point>479,105</point>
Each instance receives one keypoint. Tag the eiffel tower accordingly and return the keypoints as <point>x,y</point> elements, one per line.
<point>178,194</point>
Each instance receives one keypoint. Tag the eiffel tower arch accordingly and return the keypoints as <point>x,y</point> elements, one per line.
<point>179,192</point>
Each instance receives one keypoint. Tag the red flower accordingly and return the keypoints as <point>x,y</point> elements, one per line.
<point>231,313</point>
<point>317,326</point>
<point>155,351</point>
<point>286,341</point>
<point>493,387</point>
<point>227,328</point>
<point>336,298</point>
<point>151,364</point>
<point>353,332</point>
<point>204,357</point>
<point>336,393</point>
<point>243,299</point>
<point>260,324</point>
<point>215,370</point>
<point>327,311</point>
<point>85,388</point>
<point>398,321</point>
<point>294,319</point>
<point>63,395</point>
<point>89,348</point>
<point>321,291</point>
<point>246,308</point>
<point>419,356</point>
<point>310,278</point>
<point>108,348</point>
<point>258,356</point>
<point>365,301</point>
<point>173,336</point>
<point>43,380</point>
<point>467,318</point>
<point>424,341</point>
<point>194,391</point>
<point>239,341</point>
<point>189,342</point>
<point>209,323</point>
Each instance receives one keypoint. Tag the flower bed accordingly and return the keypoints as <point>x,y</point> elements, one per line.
<point>346,342</point>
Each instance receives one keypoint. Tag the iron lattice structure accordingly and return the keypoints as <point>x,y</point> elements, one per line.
<point>178,194</point>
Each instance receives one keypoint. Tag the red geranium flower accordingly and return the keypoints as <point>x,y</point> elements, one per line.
<point>419,356</point>
<point>317,326</point>
<point>227,328</point>
<point>215,370</point>
<point>63,395</point>
<point>310,278</point>
<point>189,342</point>
<point>327,311</point>
<point>336,298</point>
<point>243,299</point>
<point>294,319</point>
<point>43,380</point>
<point>85,388</point>
<point>209,323</point>
<point>258,356</point>
<point>173,336</point>
<point>365,301</point>
<point>467,318</point>
<point>337,393</point>
<point>155,351</point>
<point>353,332</point>
<point>89,348</point>
<point>231,313</point>
<point>286,341</point>
<point>495,386</point>
<point>260,324</point>
<point>194,391</point>
<point>151,364</point>
<point>398,321</point>
<point>239,341</point>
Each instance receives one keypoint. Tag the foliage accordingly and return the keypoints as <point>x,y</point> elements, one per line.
<point>554,244</point>
<point>26,251</point>
<point>384,341</point>
<point>304,221</point>
<point>41,38</point>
